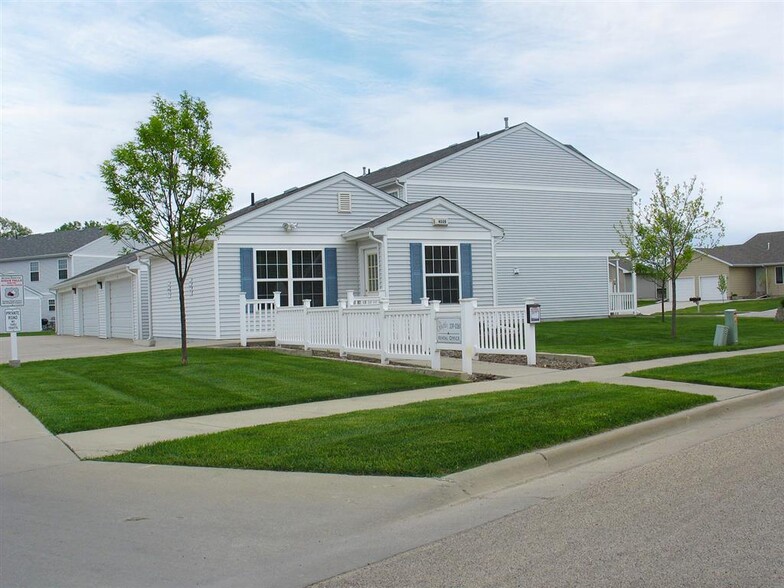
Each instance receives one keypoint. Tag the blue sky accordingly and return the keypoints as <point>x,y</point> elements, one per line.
<point>300,91</point>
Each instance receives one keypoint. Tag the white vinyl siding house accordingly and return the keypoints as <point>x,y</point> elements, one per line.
<point>557,208</point>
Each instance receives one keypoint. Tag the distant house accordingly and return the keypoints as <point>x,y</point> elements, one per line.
<point>45,259</point>
<point>502,217</point>
<point>753,269</point>
<point>622,278</point>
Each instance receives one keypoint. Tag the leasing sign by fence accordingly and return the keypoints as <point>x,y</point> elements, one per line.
<point>449,330</point>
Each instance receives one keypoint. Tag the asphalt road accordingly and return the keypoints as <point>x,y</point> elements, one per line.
<point>709,516</point>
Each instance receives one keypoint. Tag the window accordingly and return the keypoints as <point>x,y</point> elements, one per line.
<point>272,275</point>
<point>51,305</point>
<point>371,271</point>
<point>297,275</point>
<point>34,273</point>
<point>62,269</point>
<point>442,273</point>
<point>780,274</point>
<point>308,277</point>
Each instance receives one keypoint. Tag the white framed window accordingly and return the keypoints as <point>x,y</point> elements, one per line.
<point>297,274</point>
<point>51,305</point>
<point>62,269</point>
<point>35,274</point>
<point>780,274</point>
<point>371,271</point>
<point>344,202</point>
<point>442,273</point>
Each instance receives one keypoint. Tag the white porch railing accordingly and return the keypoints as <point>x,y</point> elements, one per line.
<point>623,303</point>
<point>416,332</point>
<point>352,300</point>
<point>257,317</point>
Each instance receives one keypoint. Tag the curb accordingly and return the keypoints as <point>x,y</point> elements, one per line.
<point>523,468</point>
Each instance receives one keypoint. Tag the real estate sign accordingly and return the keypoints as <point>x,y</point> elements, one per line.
<point>11,290</point>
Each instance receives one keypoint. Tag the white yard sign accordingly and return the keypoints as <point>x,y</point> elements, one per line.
<point>11,290</point>
<point>13,320</point>
<point>449,330</point>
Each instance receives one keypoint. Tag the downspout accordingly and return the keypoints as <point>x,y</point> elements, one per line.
<point>148,263</point>
<point>401,189</point>
<point>383,245</point>
<point>493,243</point>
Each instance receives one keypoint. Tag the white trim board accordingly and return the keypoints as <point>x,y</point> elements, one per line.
<point>523,187</point>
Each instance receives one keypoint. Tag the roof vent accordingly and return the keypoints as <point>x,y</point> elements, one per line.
<point>344,202</point>
<point>291,190</point>
<point>506,122</point>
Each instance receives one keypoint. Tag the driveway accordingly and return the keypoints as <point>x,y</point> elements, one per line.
<point>35,348</point>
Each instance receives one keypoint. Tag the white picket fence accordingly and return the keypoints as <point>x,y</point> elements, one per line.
<point>623,303</point>
<point>418,332</point>
<point>257,318</point>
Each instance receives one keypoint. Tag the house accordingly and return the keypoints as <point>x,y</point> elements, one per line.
<point>45,259</point>
<point>753,269</point>
<point>623,279</point>
<point>502,217</point>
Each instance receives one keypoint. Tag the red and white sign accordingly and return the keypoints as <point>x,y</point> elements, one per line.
<point>11,291</point>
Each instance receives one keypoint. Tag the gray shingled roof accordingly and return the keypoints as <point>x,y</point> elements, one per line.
<point>409,165</point>
<point>380,220</point>
<point>116,262</point>
<point>47,244</point>
<point>761,249</point>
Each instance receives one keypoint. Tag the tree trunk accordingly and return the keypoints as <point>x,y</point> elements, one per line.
<point>183,327</point>
<point>674,308</point>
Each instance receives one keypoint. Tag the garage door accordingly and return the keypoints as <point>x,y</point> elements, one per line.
<point>89,311</point>
<point>120,309</point>
<point>709,288</point>
<point>65,313</point>
<point>684,289</point>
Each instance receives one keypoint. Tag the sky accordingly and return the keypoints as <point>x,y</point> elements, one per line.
<point>300,91</point>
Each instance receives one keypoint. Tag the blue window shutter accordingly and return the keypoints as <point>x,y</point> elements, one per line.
<point>331,275</point>
<point>466,272</point>
<point>246,273</point>
<point>415,251</point>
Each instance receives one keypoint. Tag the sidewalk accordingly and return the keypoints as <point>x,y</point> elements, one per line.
<point>101,442</point>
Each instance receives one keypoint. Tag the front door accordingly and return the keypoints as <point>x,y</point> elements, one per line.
<point>370,270</point>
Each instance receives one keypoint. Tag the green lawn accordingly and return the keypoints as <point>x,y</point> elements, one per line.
<point>80,394</point>
<point>431,438</point>
<point>739,305</point>
<point>624,339</point>
<point>643,302</point>
<point>30,334</point>
<point>758,372</point>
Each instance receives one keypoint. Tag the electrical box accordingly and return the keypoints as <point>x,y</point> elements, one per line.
<point>534,313</point>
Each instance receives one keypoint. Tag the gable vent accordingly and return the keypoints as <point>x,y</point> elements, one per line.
<point>344,202</point>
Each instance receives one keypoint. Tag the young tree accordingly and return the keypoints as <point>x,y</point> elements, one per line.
<point>664,232</point>
<point>165,185</point>
<point>9,228</point>
<point>79,225</point>
<point>723,287</point>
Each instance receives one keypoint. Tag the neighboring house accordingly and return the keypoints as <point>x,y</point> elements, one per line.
<point>501,218</point>
<point>45,259</point>
<point>753,269</point>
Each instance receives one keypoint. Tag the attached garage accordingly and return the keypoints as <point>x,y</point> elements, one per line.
<point>709,288</point>
<point>120,293</point>
<point>88,310</point>
<point>65,308</point>
<point>684,289</point>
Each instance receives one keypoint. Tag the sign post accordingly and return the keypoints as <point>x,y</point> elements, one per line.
<point>12,295</point>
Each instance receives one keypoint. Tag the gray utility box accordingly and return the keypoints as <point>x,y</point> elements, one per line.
<point>720,338</point>
<point>731,322</point>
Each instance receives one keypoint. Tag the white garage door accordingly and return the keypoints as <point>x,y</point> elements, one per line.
<point>89,311</point>
<point>120,309</point>
<point>65,313</point>
<point>684,289</point>
<point>709,288</point>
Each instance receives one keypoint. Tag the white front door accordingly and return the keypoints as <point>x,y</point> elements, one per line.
<point>370,277</point>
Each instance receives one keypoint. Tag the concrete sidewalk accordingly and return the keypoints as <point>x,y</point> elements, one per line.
<point>101,442</point>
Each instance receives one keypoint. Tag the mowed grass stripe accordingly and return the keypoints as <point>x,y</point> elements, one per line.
<point>625,339</point>
<point>70,395</point>
<point>432,438</point>
<point>757,372</point>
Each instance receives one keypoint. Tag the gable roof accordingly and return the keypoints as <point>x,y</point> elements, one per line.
<point>116,263</point>
<point>408,211</point>
<point>301,191</point>
<point>47,244</point>
<point>409,166</point>
<point>761,249</point>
